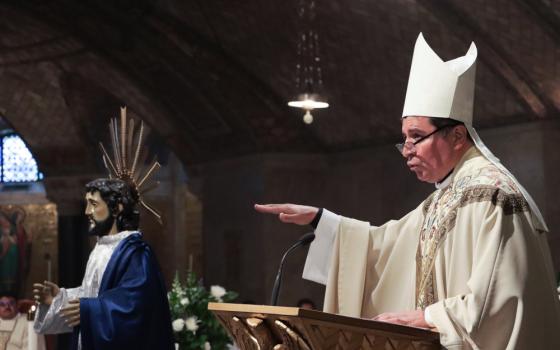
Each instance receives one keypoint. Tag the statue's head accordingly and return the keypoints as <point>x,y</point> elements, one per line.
<point>111,206</point>
<point>122,193</point>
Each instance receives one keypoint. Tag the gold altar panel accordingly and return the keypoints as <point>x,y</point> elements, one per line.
<point>33,228</point>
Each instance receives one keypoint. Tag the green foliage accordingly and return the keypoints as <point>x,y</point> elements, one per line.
<point>194,327</point>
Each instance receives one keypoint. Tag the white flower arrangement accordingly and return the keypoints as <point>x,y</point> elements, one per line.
<point>178,325</point>
<point>192,323</point>
<point>217,292</point>
<point>194,326</point>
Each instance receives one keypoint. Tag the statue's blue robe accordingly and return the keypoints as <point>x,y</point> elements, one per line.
<point>131,310</point>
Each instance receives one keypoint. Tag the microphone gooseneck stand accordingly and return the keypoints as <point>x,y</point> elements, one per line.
<point>304,240</point>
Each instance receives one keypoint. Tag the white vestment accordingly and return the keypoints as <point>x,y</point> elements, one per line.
<point>469,255</point>
<point>14,334</point>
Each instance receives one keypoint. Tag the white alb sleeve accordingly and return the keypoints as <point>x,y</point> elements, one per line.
<point>318,260</point>
<point>428,317</point>
<point>48,319</point>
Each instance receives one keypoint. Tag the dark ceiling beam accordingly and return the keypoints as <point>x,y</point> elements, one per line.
<point>70,19</point>
<point>206,83</point>
<point>216,63</point>
<point>258,99</point>
<point>545,16</point>
<point>158,68</point>
<point>493,55</point>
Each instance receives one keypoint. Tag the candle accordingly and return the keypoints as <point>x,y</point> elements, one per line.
<point>49,270</point>
<point>31,335</point>
<point>34,340</point>
<point>49,266</point>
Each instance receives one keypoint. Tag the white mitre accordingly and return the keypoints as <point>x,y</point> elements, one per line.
<point>441,89</point>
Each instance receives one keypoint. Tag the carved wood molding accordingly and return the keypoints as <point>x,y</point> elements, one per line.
<point>284,328</point>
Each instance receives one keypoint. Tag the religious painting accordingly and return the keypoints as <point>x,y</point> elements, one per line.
<point>16,246</point>
<point>27,245</point>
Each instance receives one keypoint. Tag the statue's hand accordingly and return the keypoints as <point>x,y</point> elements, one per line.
<point>71,313</point>
<point>290,213</point>
<point>44,293</point>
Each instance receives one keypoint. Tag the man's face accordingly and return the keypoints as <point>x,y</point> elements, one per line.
<point>433,157</point>
<point>100,219</point>
<point>307,306</point>
<point>8,309</point>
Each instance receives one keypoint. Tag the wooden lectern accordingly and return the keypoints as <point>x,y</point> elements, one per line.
<point>260,327</point>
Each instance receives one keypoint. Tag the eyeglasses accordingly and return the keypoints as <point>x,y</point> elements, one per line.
<point>10,303</point>
<point>411,146</point>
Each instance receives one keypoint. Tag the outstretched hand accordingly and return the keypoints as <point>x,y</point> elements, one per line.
<point>289,213</point>
<point>45,292</point>
<point>408,318</point>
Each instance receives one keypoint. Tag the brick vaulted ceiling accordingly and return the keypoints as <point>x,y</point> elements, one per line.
<point>212,78</point>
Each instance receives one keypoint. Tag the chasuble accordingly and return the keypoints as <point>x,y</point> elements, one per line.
<point>13,333</point>
<point>468,255</point>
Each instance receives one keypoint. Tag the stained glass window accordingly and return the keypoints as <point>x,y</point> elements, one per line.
<point>18,165</point>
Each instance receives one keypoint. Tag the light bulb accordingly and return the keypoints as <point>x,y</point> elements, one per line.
<point>307,118</point>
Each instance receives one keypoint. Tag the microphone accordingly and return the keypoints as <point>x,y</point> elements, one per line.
<point>303,241</point>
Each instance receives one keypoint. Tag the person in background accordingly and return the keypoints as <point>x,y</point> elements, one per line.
<point>307,304</point>
<point>14,326</point>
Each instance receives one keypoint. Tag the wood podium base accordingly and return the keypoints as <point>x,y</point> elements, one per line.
<point>260,327</point>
